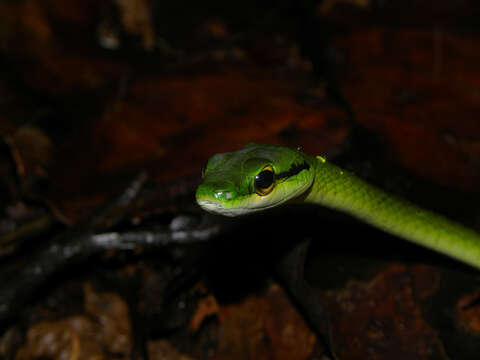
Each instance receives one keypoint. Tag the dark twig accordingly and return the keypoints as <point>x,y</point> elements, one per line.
<point>134,239</point>
<point>10,241</point>
<point>88,238</point>
<point>71,247</point>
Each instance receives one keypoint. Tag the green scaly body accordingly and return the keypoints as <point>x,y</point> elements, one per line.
<point>345,192</point>
<point>236,184</point>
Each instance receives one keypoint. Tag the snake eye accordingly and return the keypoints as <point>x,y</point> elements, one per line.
<point>264,181</point>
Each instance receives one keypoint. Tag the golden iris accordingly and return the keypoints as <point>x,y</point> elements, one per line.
<point>264,181</point>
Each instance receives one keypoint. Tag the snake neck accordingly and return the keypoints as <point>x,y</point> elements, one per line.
<point>341,190</point>
<point>338,189</point>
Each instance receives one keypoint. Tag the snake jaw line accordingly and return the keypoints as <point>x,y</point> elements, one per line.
<point>216,208</point>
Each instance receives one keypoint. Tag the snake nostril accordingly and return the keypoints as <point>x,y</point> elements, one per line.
<point>222,195</point>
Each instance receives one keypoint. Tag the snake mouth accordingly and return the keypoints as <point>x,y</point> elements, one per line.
<point>211,206</point>
<point>216,208</point>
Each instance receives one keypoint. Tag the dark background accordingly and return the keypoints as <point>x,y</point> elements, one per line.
<point>92,93</point>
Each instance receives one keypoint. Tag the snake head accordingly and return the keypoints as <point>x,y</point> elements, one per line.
<point>254,178</point>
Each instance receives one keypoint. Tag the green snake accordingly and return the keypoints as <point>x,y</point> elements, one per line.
<point>258,177</point>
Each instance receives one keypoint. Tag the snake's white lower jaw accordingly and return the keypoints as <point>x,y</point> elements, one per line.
<point>211,206</point>
<point>217,208</point>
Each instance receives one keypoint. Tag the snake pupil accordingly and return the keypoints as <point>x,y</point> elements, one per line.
<point>264,181</point>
